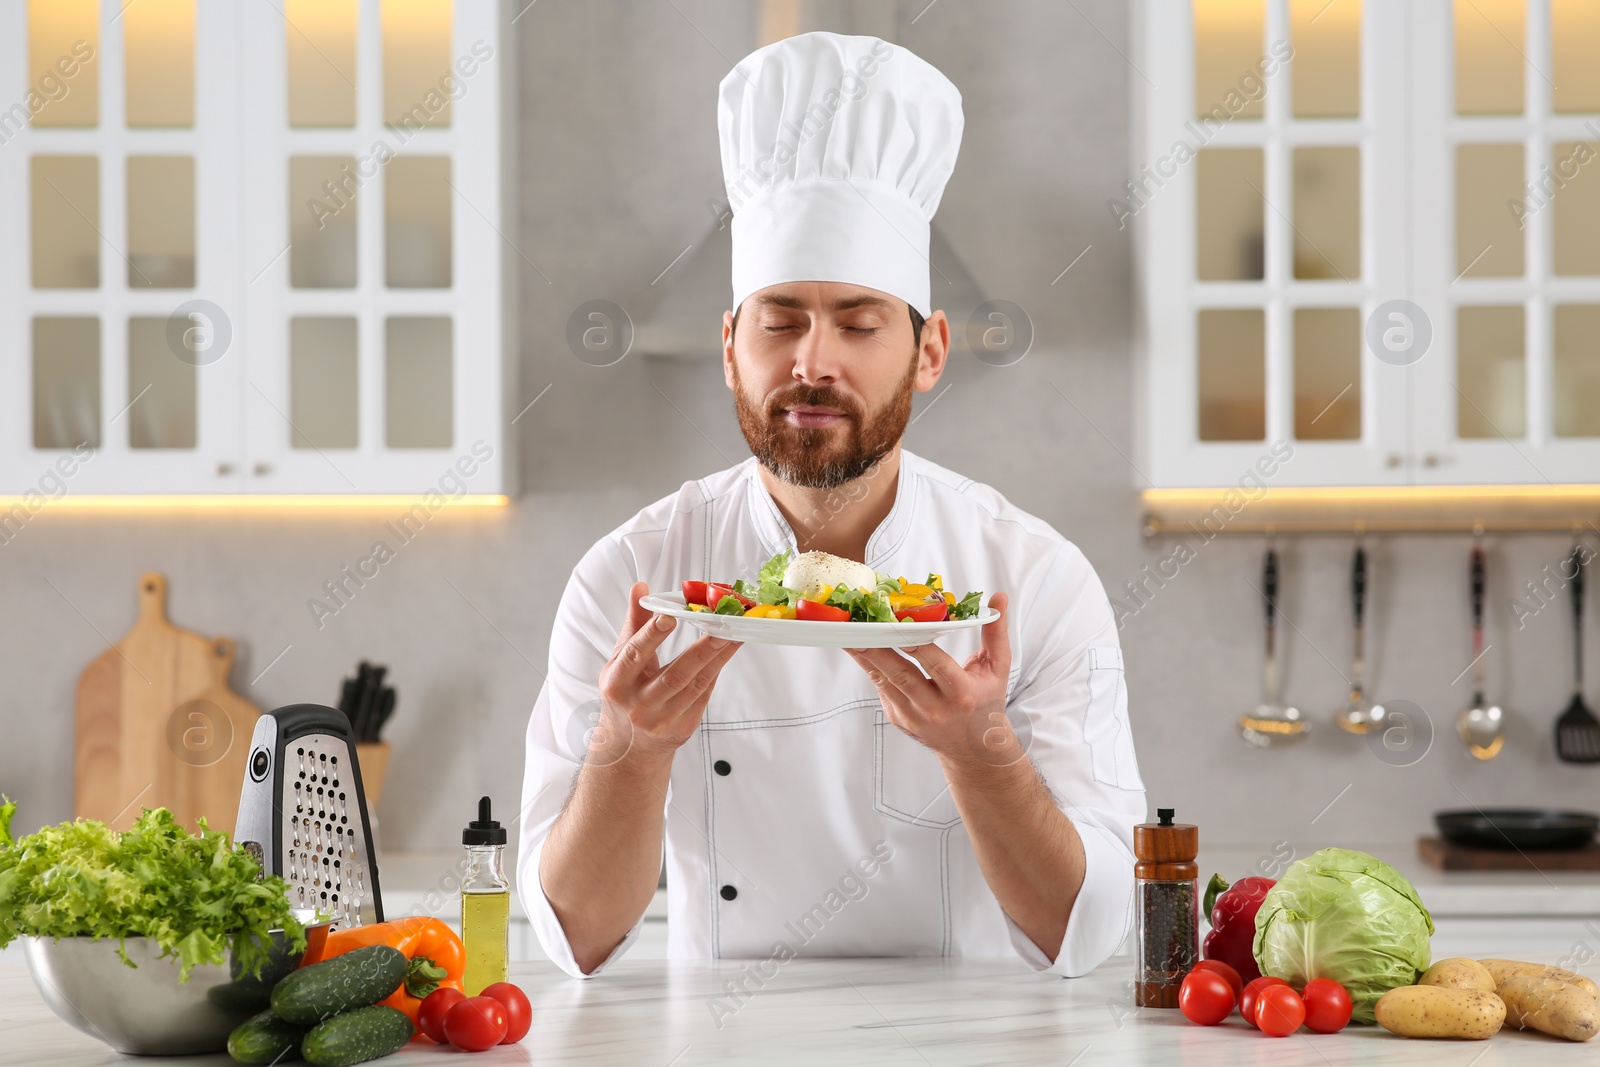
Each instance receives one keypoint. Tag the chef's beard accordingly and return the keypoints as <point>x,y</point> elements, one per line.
<point>822,457</point>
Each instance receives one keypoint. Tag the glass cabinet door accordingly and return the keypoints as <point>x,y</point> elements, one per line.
<point>125,264</point>
<point>1510,392</point>
<point>378,235</point>
<point>1269,173</point>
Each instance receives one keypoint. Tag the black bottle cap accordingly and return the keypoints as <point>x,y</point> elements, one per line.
<point>483,830</point>
<point>1163,814</point>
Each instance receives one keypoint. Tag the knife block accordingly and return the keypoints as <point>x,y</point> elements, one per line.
<point>374,758</point>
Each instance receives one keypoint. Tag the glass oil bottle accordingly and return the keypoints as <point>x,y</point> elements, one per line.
<point>485,902</point>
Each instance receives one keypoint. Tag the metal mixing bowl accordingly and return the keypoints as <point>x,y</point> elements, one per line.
<point>143,1010</point>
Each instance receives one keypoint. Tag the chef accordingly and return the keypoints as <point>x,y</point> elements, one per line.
<point>974,796</point>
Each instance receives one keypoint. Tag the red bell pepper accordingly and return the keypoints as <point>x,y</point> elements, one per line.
<point>1233,922</point>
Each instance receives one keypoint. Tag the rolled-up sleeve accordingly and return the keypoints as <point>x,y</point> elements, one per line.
<point>1073,701</point>
<point>585,632</point>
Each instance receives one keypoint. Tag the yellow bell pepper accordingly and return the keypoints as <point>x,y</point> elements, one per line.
<point>906,601</point>
<point>769,611</point>
<point>950,598</point>
<point>820,596</point>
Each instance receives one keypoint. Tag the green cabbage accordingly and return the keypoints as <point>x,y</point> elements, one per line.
<point>1348,916</point>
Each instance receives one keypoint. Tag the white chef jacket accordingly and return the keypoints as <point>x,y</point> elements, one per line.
<point>799,820</point>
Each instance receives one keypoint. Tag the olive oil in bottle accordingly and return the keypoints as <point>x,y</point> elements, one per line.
<point>485,902</point>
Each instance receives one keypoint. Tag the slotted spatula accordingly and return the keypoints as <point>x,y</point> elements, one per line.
<point>1577,730</point>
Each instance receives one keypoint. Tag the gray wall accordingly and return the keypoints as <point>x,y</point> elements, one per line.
<point>618,160</point>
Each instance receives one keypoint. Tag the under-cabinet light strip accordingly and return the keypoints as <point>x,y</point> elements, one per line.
<point>89,501</point>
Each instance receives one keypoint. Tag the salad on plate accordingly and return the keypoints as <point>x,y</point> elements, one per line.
<point>821,587</point>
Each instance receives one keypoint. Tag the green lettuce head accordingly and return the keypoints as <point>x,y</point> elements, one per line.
<point>1347,916</point>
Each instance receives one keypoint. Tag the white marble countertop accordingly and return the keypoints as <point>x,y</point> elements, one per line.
<point>929,1012</point>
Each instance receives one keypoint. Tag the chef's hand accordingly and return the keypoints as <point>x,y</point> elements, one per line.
<point>648,708</point>
<point>958,710</point>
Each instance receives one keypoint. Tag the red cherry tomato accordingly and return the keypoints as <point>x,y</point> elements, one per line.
<point>810,609</point>
<point>695,593</point>
<point>715,591</point>
<point>1247,999</point>
<point>1205,997</point>
<point>519,1013</point>
<point>435,1006</point>
<point>476,1024</point>
<point>1227,971</point>
<point>1279,1010</point>
<point>1327,1005</point>
<point>929,612</point>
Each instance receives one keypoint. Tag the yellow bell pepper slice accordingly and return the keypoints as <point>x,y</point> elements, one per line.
<point>769,611</point>
<point>820,596</point>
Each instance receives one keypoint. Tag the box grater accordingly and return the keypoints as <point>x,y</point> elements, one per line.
<point>303,814</point>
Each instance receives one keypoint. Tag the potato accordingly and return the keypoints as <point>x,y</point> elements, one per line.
<point>1439,1011</point>
<point>1550,1005</point>
<point>1459,973</point>
<point>1503,969</point>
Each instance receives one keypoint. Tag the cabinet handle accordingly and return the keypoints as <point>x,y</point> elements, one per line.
<point>224,469</point>
<point>1392,460</point>
<point>261,470</point>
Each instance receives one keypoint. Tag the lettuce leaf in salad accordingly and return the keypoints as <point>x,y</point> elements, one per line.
<point>772,570</point>
<point>863,607</point>
<point>197,896</point>
<point>729,605</point>
<point>968,606</point>
<point>769,587</point>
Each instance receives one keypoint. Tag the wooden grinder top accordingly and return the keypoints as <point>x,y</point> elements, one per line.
<point>1166,850</point>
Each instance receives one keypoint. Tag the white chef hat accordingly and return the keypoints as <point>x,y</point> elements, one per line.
<point>835,152</point>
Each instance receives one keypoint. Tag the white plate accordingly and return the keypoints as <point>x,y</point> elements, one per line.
<point>810,634</point>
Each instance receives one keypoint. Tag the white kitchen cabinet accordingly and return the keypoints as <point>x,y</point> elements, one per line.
<point>1302,166</point>
<point>259,247</point>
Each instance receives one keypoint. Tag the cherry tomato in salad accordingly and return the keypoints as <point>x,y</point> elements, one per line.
<point>1227,972</point>
<point>476,1023</point>
<point>1205,997</point>
<point>1252,991</point>
<point>435,1006</point>
<point>1327,1005</point>
<point>934,611</point>
<point>1279,1010</point>
<point>519,1013</point>
<point>715,591</point>
<point>695,593</point>
<point>810,609</point>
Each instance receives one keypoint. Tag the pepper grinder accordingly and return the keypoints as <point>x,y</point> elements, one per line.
<point>1167,914</point>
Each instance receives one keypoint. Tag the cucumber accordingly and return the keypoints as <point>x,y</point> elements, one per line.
<point>357,1036</point>
<point>265,1038</point>
<point>354,980</point>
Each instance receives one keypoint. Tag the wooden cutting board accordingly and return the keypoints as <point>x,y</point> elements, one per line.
<point>1447,856</point>
<point>157,725</point>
